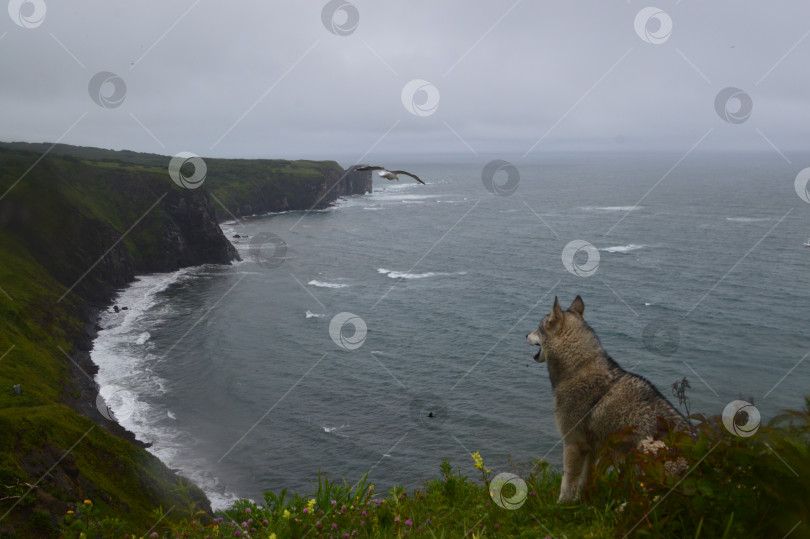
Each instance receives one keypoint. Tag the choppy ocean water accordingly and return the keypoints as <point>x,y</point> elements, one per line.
<point>233,375</point>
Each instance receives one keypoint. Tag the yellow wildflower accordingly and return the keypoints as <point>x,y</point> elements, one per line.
<point>88,502</point>
<point>271,536</point>
<point>285,514</point>
<point>479,461</point>
<point>311,505</point>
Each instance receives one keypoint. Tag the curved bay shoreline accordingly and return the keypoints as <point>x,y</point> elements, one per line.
<point>84,370</point>
<point>83,224</point>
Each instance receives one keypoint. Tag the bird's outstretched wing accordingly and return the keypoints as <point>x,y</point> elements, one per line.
<point>367,167</point>
<point>414,176</point>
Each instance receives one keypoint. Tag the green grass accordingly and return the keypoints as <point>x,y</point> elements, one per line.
<point>727,487</point>
<point>243,186</point>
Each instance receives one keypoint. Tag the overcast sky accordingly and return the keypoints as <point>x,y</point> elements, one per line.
<point>326,79</point>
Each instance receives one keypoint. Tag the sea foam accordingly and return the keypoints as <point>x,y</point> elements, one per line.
<point>749,219</point>
<point>404,275</point>
<point>611,208</point>
<point>323,284</point>
<point>622,248</point>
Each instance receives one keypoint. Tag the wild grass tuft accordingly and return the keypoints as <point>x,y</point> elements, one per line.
<point>710,485</point>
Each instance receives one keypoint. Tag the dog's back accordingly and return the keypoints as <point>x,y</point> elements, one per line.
<point>626,400</point>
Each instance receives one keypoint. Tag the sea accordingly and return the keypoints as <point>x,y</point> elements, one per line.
<point>387,333</point>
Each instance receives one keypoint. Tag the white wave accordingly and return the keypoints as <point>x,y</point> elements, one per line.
<point>124,363</point>
<point>138,297</point>
<point>227,270</point>
<point>623,248</point>
<point>118,349</point>
<point>610,208</point>
<point>647,303</point>
<point>404,197</point>
<point>749,219</point>
<point>404,186</point>
<point>219,502</point>
<point>323,284</point>
<point>403,275</point>
<point>331,430</point>
<point>198,471</point>
<point>310,314</point>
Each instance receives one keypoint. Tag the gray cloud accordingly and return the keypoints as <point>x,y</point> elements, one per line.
<point>267,79</point>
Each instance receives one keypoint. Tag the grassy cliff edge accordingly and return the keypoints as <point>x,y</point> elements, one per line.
<point>76,224</point>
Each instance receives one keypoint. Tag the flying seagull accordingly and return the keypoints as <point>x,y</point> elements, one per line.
<point>390,174</point>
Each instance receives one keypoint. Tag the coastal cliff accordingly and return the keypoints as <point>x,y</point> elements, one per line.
<point>254,187</point>
<point>77,224</point>
<point>241,187</point>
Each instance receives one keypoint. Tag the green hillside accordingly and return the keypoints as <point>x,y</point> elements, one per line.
<point>77,223</point>
<point>239,187</point>
<point>56,222</point>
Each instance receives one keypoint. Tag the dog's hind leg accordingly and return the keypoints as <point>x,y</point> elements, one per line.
<point>577,458</point>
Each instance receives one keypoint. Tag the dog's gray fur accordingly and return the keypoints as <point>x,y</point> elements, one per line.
<point>593,396</point>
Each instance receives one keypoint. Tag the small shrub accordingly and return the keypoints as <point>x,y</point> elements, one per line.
<point>732,487</point>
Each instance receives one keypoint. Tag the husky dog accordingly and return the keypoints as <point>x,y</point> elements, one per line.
<point>593,396</point>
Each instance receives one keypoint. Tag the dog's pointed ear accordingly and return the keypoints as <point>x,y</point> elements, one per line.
<point>578,307</point>
<point>556,315</point>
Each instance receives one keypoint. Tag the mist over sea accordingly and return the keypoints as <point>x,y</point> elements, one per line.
<point>232,375</point>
